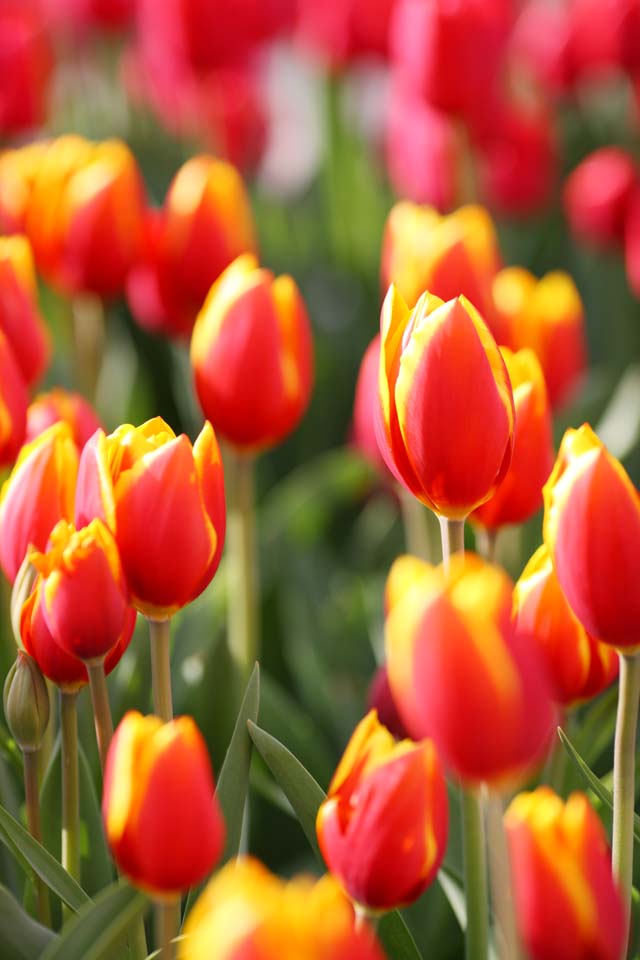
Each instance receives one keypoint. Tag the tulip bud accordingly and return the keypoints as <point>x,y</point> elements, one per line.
<point>597,196</point>
<point>162,819</point>
<point>383,827</point>
<point>13,404</point>
<point>59,404</point>
<point>592,530</point>
<point>567,903</point>
<point>579,666</point>
<point>20,318</point>
<point>446,414</point>
<point>26,703</point>
<point>252,356</point>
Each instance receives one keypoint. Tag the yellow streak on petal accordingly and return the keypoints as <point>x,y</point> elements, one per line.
<point>286,301</point>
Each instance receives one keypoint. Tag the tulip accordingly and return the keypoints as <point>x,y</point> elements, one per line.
<point>541,40</point>
<point>519,495</point>
<point>138,473</point>
<point>380,699</point>
<point>26,64</point>
<point>20,318</point>
<point>446,407</point>
<point>567,903</point>
<point>546,315</point>
<point>280,920</point>
<point>597,195</point>
<point>18,170</point>
<point>383,827</point>
<point>13,405</point>
<point>38,493</point>
<point>252,356</point>
<point>162,819</point>
<point>363,429</point>
<point>339,33</point>
<point>59,404</point>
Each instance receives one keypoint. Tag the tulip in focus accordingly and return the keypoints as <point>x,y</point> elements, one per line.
<point>597,195</point>
<point>252,356</point>
<point>20,318</point>
<point>161,816</point>
<point>13,405</point>
<point>59,404</point>
<point>383,828</point>
<point>446,407</point>
<point>567,904</point>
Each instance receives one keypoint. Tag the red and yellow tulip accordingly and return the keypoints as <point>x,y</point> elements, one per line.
<point>60,404</point>
<point>20,318</point>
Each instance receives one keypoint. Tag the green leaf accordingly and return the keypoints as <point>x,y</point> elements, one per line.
<point>101,927</point>
<point>21,937</point>
<point>305,796</point>
<point>46,866</point>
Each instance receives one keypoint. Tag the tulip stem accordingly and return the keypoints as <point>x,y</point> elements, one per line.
<point>452,536</point>
<point>242,565</point>
<point>101,708</point>
<point>624,777</point>
<point>365,918</point>
<point>475,875</point>
<point>486,541</point>
<point>70,784</point>
<point>167,916</point>
<point>418,532</point>
<point>88,318</point>
<point>32,799</point>
<point>501,885</point>
<point>160,634</point>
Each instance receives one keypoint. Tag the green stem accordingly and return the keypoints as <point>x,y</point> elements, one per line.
<point>167,918</point>
<point>623,777</point>
<point>475,876</point>
<point>88,318</point>
<point>452,535</point>
<point>508,947</point>
<point>32,800</point>
<point>70,784</point>
<point>365,918</point>
<point>242,565</point>
<point>486,541</point>
<point>160,635</point>
<point>417,521</point>
<point>101,708</point>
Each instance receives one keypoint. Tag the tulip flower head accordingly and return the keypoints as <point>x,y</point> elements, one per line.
<point>20,318</point>
<point>597,196</point>
<point>59,404</point>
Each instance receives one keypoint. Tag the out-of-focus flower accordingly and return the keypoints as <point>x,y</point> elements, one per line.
<point>579,666</point>
<point>380,699</point>
<point>446,414</point>
<point>252,355</point>
<point>280,921</point>
<point>26,703</point>
<point>75,17</point>
<point>461,675</point>
<point>597,194</point>
<point>38,493</point>
<point>60,404</point>
<point>26,63</point>
<point>18,170</point>
<point>520,493</point>
<point>340,31</point>
<point>138,473</point>
<point>363,424</point>
<point>383,827</point>
<point>547,316</point>
<point>13,405</point>
<point>20,318</point>
<point>162,819</point>
<point>567,903</point>
<point>592,530</point>
<point>541,40</point>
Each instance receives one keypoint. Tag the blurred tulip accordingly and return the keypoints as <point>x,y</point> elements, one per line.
<point>280,920</point>
<point>383,828</point>
<point>541,40</point>
<point>13,405</point>
<point>592,530</point>
<point>162,819</point>
<point>597,194</point>
<point>18,171</point>
<point>38,493</point>
<point>567,903</point>
<point>20,318</point>
<point>340,31</point>
<point>363,424</point>
<point>59,404</point>
<point>380,699</point>
<point>461,675</point>
<point>138,473</point>
<point>252,356</point>
<point>519,495</point>
<point>74,17</point>
<point>26,64</point>
<point>547,316</point>
<point>579,666</point>
<point>446,407</point>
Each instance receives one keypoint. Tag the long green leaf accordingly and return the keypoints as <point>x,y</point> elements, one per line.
<point>101,927</point>
<point>21,937</point>
<point>305,796</point>
<point>46,866</point>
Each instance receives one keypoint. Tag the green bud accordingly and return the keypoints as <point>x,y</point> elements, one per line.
<point>26,703</point>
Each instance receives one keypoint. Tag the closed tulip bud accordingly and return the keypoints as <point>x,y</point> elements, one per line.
<point>446,407</point>
<point>597,196</point>
<point>20,318</point>
<point>519,495</point>
<point>252,356</point>
<point>161,816</point>
<point>592,530</point>
<point>567,903</point>
<point>26,703</point>
<point>280,920</point>
<point>383,827</point>
<point>38,493</point>
<point>13,404</point>
<point>363,425</point>
<point>461,675</point>
<point>547,316</point>
<point>579,666</point>
<point>140,472</point>
<point>59,404</point>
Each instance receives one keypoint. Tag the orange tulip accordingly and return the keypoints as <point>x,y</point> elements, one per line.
<point>567,904</point>
<point>38,493</point>
<point>546,315</point>
<point>460,674</point>
<point>280,921</point>
<point>162,819</point>
<point>252,355</point>
<point>20,318</point>
<point>18,171</point>
<point>383,827</point>
<point>592,530</point>
<point>520,493</point>
<point>13,404</point>
<point>163,499</point>
<point>59,404</point>
<point>579,666</point>
<point>447,414</point>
